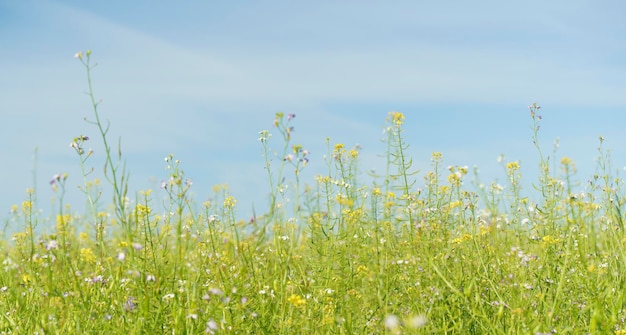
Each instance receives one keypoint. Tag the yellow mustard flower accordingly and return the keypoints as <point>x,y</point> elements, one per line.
<point>396,118</point>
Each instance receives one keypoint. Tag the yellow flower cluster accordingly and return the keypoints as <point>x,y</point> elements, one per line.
<point>143,209</point>
<point>566,161</point>
<point>87,255</point>
<point>513,166</point>
<point>339,151</point>
<point>230,202</point>
<point>297,300</point>
<point>550,240</point>
<point>396,118</point>
<point>62,221</point>
<point>465,237</point>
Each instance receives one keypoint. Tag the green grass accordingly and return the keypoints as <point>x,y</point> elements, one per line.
<point>413,253</point>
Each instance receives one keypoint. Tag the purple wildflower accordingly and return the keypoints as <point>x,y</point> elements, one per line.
<point>130,304</point>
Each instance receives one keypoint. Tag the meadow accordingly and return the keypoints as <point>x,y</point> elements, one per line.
<point>409,253</point>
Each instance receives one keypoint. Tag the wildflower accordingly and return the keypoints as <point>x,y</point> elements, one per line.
<point>549,240</point>
<point>277,118</point>
<point>58,178</point>
<point>76,144</point>
<point>121,256</point>
<point>230,202</point>
<point>436,156</point>
<point>143,209</point>
<point>496,188</point>
<point>512,166</point>
<point>78,55</point>
<point>339,150</point>
<point>455,204</point>
<point>534,107</point>
<point>396,118</point>
<point>96,279</point>
<point>296,300</point>
<point>151,278</point>
<point>454,178</point>
<point>211,327</point>
<point>463,238</point>
<point>265,135</point>
<point>566,161</point>
<point>87,255</point>
<point>130,304</point>
<point>216,291</point>
<point>290,116</point>
<point>168,296</point>
<point>361,268</point>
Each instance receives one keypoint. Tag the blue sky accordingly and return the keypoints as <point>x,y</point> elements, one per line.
<point>200,79</point>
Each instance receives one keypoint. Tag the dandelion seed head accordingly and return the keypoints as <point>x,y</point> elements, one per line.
<point>392,322</point>
<point>417,321</point>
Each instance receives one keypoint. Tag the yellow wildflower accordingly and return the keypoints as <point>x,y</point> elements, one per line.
<point>513,166</point>
<point>455,204</point>
<point>339,151</point>
<point>296,300</point>
<point>549,240</point>
<point>143,209</point>
<point>566,160</point>
<point>436,156</point>
<point>87,255</point>
<point>465,237</point>
<point>62,221</point>
<point>396,118</point>
<point>230,202</point>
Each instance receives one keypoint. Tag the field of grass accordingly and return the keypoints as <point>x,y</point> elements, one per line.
<point>409,254</point>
